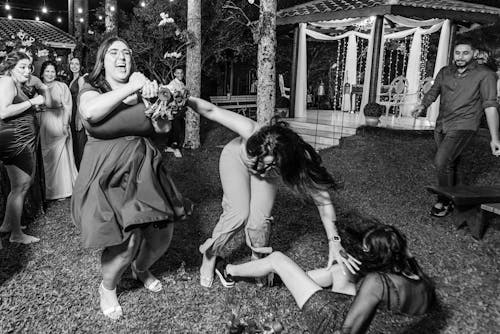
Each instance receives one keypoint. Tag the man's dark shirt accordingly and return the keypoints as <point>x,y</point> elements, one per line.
<point>464,96</point>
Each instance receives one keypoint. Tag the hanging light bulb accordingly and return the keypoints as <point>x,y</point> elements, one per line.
<point>9,17</point>
<point>80,10</point>
<point>143,3</point>
<point>44,10</point>
<point>7,6</point>
<point>59,20</point>
<point>100,17</point>
<point>112,8</point>
<point>37,18</point>
<point>81,20</point>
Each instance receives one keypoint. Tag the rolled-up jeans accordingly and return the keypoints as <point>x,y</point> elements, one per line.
<point>450,146</point>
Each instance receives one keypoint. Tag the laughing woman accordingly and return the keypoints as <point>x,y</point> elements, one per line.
<point>18,136</point>
<point>124,199</point>
<point>55,137</point>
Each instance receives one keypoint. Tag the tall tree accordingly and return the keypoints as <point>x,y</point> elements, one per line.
<point>266,61</point>
<point>111,15</point>
<point>193,71</point>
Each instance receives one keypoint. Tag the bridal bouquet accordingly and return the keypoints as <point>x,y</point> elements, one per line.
<point>169,105</point>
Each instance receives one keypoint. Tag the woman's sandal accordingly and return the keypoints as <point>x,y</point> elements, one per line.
<point>220,269</point>
<point>113,312</point>
<point>154,285</point>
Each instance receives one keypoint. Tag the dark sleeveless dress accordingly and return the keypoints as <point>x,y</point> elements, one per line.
<point>326,312</point>
<point>77,131</point>
<point>123,184</point>
<point>18,136</point>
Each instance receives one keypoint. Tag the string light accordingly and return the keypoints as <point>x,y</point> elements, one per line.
<point>44,10</point>
<point>59,20</point>
<point>143,3</point>
<point>9,17</point>
<point>112,8</point>
<point>81,20</point>
<point>7,6</point>
<point>80,10</point>
<point>100,17</point>
<point>37,18</point>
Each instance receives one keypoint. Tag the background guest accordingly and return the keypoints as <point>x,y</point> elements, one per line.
<point>55,137</point>
<point>176,134</point>
<point>18,136</point>
<point>77,130</point>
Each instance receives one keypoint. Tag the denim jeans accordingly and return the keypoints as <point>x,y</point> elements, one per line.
<point>450,146</point>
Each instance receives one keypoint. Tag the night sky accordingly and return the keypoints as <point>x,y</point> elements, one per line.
<point>29,9</point>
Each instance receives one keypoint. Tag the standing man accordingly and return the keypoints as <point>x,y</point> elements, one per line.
<point>466,88</point>
<point>174,141</point>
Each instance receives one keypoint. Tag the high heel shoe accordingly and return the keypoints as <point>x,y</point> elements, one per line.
<point>220,269</point>
<point>154,285</point>
<point>114,311</point>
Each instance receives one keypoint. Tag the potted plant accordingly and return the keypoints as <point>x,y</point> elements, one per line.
<point>372,112</point>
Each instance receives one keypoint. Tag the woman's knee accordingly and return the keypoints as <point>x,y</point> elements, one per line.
<point>21,186</point>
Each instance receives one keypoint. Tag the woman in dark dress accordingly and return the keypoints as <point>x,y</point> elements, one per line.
<point>18,136</point>
<point>77,131</point>
<point>390,277</point>
<point>124,200</point>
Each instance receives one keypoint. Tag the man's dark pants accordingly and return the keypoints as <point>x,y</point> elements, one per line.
<point>450,146</point>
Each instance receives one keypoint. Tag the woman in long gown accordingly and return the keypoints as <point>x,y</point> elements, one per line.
<point>77,131</point>
<point>55,137</point>
<point>124,199</point>
<point>18,136</point>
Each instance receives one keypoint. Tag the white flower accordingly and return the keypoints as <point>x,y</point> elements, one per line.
<point>165,19</point>
<point>3,53</point>
<point>172,54</point>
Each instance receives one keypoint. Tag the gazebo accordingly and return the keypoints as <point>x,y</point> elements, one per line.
<point>377,22</point>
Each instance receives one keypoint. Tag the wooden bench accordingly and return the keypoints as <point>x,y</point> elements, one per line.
<point>472,205</point>
<point>245,105</point>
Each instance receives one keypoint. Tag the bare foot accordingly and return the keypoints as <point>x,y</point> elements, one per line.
<point>109,303</point>
<point>23,239</point>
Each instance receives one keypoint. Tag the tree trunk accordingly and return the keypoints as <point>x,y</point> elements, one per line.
<point>193,71</point>
<point>111,16</point>
<point>266,61</point>
<point>80,28</point>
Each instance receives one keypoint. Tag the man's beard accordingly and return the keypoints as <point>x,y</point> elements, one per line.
<point>463,63</point>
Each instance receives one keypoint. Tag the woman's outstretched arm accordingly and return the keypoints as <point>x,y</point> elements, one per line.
<point>242,125</point>
<point>296,280</point>
<point>328,218</point>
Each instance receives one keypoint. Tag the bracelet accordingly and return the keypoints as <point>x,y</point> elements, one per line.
<point>31,104</point>
<point>335,238</point>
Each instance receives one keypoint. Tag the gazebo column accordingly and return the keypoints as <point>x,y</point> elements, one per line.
<point>441,61</point>
<point>453,36</point>
<point>294,72</point>
<point>300,105</point>
<point>378,28</point>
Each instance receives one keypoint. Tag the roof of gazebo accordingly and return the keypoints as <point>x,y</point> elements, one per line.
<point>42,31</point>
<point>324,10</point>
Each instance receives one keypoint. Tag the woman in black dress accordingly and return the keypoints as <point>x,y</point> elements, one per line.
<point>124,200</point>
<point>390,278</point>
<point>77,131</point>
<point>18,136</point>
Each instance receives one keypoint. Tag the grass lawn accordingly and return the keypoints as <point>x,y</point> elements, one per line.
<point>51,287</point>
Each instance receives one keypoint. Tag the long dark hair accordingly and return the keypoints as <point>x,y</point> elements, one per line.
<point>387,251</point>
<point>11,61</point>
<point>297,162</point>
<point>79,72</point>
<point>45,64</point>
<point>97,76</point>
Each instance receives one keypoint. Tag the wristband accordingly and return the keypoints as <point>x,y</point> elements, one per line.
<point>335,238</point>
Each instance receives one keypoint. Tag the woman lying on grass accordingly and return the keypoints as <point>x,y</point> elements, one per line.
<point>251,167</point>
<point>390,277</point>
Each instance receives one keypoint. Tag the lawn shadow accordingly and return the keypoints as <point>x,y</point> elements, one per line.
<point>432,323</point>
<point>13,259</point>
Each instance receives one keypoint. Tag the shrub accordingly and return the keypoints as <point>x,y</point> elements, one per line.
<point>373,109</point>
